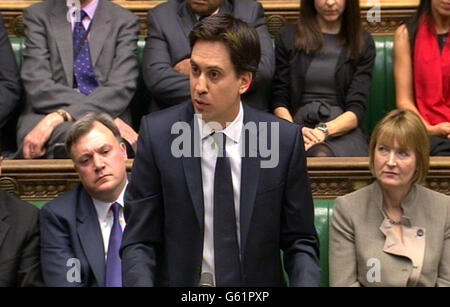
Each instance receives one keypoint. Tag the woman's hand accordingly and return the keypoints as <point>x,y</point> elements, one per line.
<point>312,137</point>
<point>440,130</point>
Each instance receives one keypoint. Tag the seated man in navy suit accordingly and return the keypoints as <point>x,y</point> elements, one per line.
<point>81,230</point>
<point>214,204</point>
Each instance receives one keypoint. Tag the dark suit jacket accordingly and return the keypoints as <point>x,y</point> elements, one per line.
<point>353,77</point>
<point>167,44</point>
<point>9,77</point>
<point>163,241</point>
<point>19,243</point>
<point>70,230</point>
<point>47,69</point>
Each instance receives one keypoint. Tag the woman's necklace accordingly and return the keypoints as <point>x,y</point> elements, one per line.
<point>389,219</point>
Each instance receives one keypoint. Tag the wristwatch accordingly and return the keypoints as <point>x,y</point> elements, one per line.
<point>324,128</point>
<point>63,114</point>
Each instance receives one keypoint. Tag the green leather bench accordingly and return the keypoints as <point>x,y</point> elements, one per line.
<point>381,100</point>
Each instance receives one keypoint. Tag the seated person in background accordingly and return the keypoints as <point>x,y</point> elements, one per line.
<point>82,229</point>
<point>323,75</point>
<point>422,70</point>
<point>393,232</point>
<point>166,59</point>
<point>75,62</point>
<point>9,78</point>
<point>19,242</point>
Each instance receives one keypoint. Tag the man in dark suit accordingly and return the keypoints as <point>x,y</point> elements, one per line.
<point>19,243</point>
<point>75,62</point>
<point>9,77</point>
<point>167,51</point>
<point>82,229</point>
<point>206,206</point>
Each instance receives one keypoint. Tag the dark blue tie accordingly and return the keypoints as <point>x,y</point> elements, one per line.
<point>84,76</point>
<point>226,250</point>
<point>113,263</point>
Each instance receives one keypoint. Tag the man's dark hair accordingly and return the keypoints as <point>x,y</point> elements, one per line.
<point>85,124</point>
<point>241,40</point>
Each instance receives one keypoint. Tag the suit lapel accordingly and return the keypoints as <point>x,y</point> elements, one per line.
<point>4,227</point>
<point>226,8</point>
<point>62,31</point>
<point>187,18</point>
<point>99,31</point>
<point>90,236</point>
<point>250,169</point>
<point>192,169</point>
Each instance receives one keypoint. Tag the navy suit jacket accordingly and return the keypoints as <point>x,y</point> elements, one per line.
<point>163,241</point>
<point>71,235</point>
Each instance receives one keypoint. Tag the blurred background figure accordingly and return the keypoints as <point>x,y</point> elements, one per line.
<point>323,76</point>
<point>422,70</point>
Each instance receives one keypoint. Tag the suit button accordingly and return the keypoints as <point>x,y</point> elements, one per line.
<point>419,232</point>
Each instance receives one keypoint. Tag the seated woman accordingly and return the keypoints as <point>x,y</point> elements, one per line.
<point>323,75</point>
<point>422,70</point>
<point>393,232</point>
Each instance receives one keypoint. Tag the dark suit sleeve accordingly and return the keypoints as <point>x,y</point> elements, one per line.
<point>56,249</point>
<point>358,92</point>
<point>298,235</point>
<point>144,217</point>
<point>267,63</point>
<point>282,79</point>
<point>168,86</point>
<point>29,271</point>
<point>9,77</point>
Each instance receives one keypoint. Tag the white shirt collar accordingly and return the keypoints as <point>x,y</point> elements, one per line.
<point>103,207</point>
<point>214,13</point>
<point>233,130</point>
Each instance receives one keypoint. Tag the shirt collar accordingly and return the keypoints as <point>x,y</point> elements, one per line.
<point>103,207</point>
<point>232,130</point>
<point>214,13</point>
<point>89,9</point>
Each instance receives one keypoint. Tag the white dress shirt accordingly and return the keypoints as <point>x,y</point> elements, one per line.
<point>106,217</point>
<point>208,165</point>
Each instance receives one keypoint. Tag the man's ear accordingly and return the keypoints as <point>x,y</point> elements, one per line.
<point>123,150</point>
<point>246,79</point>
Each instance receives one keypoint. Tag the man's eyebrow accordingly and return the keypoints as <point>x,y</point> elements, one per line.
<point>211,67</point>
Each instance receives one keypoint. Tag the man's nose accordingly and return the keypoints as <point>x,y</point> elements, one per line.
<point>200,85</point>
<point>99,162</point>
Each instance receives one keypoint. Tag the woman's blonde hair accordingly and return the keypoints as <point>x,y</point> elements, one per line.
<point>407,129</point>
